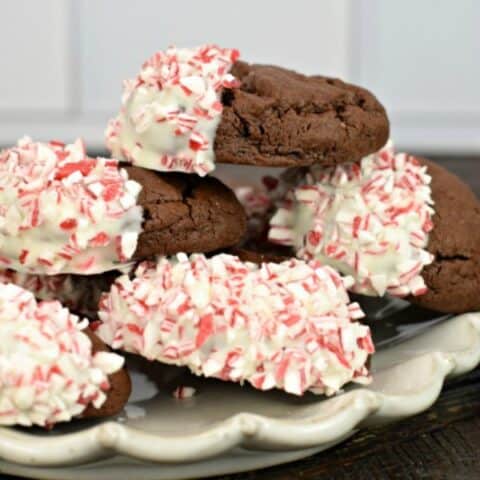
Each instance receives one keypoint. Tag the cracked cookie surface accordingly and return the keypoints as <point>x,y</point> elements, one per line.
<point>282,118</point>
<point>186,213</point>
<point>453,279</point>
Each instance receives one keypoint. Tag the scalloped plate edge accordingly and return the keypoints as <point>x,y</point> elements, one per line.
<point>359,407</point>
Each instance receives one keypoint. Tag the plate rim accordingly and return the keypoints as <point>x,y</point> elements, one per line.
<point>360,407</point>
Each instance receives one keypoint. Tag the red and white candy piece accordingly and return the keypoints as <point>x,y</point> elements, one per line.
<point>64,212</point>
<point>171,110</point>
<point>48,373</point>
<point>183,392</point>
<point>287,325</point>
<point>368,219</point>
<point>257,203</point>
<point>79,293</point>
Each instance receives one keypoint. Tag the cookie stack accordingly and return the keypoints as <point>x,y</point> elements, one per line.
<point>146,243</point>
<point>218,315</point>
<point>71,223</point>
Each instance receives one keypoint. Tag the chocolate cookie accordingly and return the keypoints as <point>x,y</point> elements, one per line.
<point>282,118</point>
<point>395,224</point>
<point>186,213</point>
<point>120,386</point>
<point>453,279</point>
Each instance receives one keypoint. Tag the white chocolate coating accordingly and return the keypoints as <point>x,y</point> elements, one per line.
<point>63,212</point>
<point>287,326</point>
<point>171,110</point>
<point>79,293</point>
<point>368,219</point>
<point>48,373</point>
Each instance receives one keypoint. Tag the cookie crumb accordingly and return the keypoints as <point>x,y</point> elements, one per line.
<point>182,392</point>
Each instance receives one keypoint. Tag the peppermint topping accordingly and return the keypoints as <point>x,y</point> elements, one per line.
<point>45,287</point>
<point>259,202</point>
<point>255,201</point>
<point>287,325</point>
<point>171,110</point>
<point>48,373</point>
<point>77,292</point>
<point>368,219</point>
<point>61,211</point>
<point>182,392</point>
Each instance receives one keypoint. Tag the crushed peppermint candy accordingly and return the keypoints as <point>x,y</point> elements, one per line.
<point>255,201</point>
<point>259,202</point>
<point>257,205</point>
<point>171,110</point>
<point>48,372</point>
<point>63,212</point>
<point>369,219</point>
<point>287,325</point>
<point>79,293</point>
<point>182,392</point>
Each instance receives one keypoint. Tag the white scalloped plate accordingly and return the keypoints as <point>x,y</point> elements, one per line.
<point>226,428</point>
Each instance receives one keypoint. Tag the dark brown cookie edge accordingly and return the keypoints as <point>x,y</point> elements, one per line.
<point>453,279</point>
<point>186,213</point>
<point>281,118</point>
<point>120,386</point>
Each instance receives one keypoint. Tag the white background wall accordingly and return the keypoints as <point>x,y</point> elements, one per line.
<point>62,61</point>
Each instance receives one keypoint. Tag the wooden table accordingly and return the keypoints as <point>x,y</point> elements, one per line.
<point>442,443</point>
